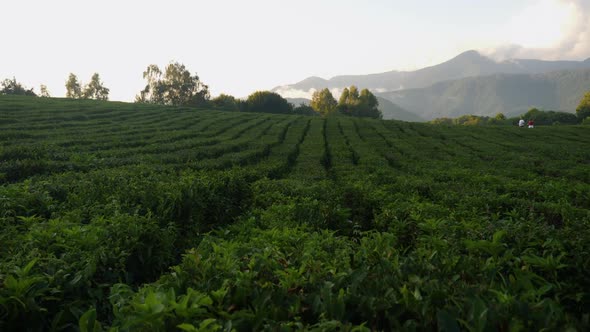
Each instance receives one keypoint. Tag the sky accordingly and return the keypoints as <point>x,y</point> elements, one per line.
<point>238,47</point>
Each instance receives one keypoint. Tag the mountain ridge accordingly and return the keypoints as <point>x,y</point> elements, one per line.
<point>511,94</point>
<point>469,83</point>
<point>467,64</point>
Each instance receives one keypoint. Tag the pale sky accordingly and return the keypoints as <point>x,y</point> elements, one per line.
<point>238,46</point>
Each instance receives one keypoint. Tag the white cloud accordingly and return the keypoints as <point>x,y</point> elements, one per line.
<point>379,90</point>
<point>288,92</point>
<point>549,30</point>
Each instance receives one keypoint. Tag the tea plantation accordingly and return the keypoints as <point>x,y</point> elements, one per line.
<point>131,217</point>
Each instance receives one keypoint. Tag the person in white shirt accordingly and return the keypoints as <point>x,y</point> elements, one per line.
<point>521,123</point>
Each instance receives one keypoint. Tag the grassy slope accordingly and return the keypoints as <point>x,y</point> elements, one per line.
<point>324,223</point>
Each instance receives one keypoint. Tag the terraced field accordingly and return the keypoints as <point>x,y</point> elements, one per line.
<point>142,217</point>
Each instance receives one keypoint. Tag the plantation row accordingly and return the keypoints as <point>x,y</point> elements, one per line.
<point>137,217</point>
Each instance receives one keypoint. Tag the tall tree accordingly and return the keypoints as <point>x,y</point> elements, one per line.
<point>323,102</point>
<point>95,89</point>
<point>349,98</point>
<point>154,90</point>
<point>73,87</point>
<point>353,95</point>
<point>344,96</point>
<point>44,92</point>
<point>368,105</point>
<point>500,117</point>
<point>175,86</point>
<point>363,104</point>
<point>583,110</point>
<point>12,87</point>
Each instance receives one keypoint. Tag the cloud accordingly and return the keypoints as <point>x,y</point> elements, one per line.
<point>549,30</point>
<point>288,92</point>
<point>381,90</point>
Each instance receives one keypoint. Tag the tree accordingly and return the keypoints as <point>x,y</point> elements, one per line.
<point>470,120</point>
<point>363,104</point>
<point>95,89</point>
<point>153,92</point>
<point>175,86</point>
<point>268,102</point>
<point>323,102</point>
<point>44,92</point>
<point>344,97</point>
<point>583,110</point>
<point>225,102</point>
<point>500,117</point>
<point>303,109</point>
<point>73,87</point>
<point>550,117</point>
<point>368,105</point>
<point>12,87</point>
<point>353,94</point>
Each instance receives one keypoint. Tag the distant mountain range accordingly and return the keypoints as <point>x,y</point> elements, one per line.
<point>470,83</point>
<point>511,94</point>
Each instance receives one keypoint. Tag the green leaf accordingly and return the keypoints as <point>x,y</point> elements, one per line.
<point>446,322</point>
<point>88,322</point>
<point>498,236</point>
<point>187,327</point>
<point>28,267</point>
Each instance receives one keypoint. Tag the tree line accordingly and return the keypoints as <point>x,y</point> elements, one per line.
<point>351,102</point>
<point>540,117</point>
<point>176,86</point>
<point>95,89</point>
<point>12,87</point>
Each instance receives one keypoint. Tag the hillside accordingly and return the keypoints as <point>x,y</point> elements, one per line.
<point>392,111</point>
<point>129,217</point>
<point>467,64</point>
<point>511,94</point>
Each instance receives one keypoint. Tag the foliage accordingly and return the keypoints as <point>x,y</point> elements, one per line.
<point>364,104</point>
<point>323,102</point>
<point>304,109</point>
<point>95,89</point>
<point>470,120</point>
<point>550,117</point>
<point>225,102</point>
<point>73,87</point>
<point>211,220</point>
<point>268,102</point>
<point>540,118</point>
<point>583,110</point>
<point>44,92</point>
<point>12,87</point>
<point>175,86</point>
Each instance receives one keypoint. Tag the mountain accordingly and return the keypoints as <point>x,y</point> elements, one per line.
<point>392,111</point>
<point>467,64</point>
<point>389,110</point>
<point>511,94</point>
